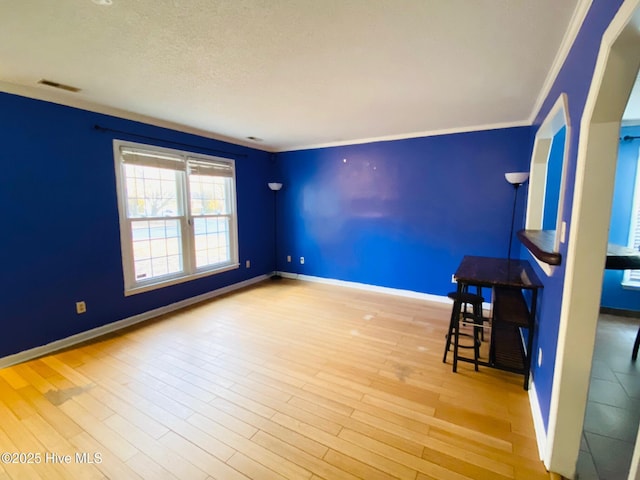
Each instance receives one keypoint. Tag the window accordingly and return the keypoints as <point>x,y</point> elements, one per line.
<point>177,215</point>
<point>631,278</point>
<point>547,180</point>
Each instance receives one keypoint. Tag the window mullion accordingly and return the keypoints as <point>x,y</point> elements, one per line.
<point>130,273</point>
<point>187,224</point>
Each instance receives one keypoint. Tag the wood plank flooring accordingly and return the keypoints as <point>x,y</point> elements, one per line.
<point>283,380</point>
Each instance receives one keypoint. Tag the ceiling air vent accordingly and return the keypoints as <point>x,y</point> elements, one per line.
<point>61,86</point>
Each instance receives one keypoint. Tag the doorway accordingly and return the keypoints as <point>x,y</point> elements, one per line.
<point>615,72</point>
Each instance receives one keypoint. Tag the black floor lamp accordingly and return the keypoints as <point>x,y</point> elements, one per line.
<point>275,187</point>
<point>516,179</point>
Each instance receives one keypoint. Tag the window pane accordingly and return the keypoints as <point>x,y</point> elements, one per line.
<point>173,246</point>
<point>142,249</point>
<point>157,248</point>
<point>209,195</point>
<point>151,191</point>
<point>143,269</point>
<point>212,241</point>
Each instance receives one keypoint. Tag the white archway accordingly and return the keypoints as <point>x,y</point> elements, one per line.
<point>615,72</point>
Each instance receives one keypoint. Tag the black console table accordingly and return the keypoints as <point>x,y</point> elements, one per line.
<point>511,314</point>
<point>620,257</point>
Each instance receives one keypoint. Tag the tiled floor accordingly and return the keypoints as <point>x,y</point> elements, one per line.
<point>613,407</point>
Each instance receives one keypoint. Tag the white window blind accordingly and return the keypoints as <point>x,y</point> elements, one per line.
<point>209,168</point>
<point>631,278</point>
<point>151,159</point>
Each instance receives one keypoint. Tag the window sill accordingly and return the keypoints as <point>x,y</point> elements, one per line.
<point>176,280</point>
<point>541,244</point>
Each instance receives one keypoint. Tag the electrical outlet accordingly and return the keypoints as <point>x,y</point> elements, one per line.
<point>81,307</point>
<point>248,263</point>
<point>301,260</point>
<point>289,258</point>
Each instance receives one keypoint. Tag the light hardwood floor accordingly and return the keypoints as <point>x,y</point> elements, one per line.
<point>281,380</point>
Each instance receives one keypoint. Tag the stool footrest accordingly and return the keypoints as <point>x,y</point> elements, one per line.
<point>465,297</point>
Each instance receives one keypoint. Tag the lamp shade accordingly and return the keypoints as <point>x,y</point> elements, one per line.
<point>275,186</point>
<point>516,178</point>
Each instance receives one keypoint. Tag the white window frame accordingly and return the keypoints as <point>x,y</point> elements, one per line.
<point>556,119</point>
<point>631,278</point>
<point>189,271</point>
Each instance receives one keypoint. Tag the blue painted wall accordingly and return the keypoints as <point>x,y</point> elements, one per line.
<point>350,215</point>
<point>403,213</point>
<point>574,79</point>
<point>60,239</point>
<point>613,295</point>
<point>554,178</point>
<point>399,214</point>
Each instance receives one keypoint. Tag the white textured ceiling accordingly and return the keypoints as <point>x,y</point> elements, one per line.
<point>295,73</point>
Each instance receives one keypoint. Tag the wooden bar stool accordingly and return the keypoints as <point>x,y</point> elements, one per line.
<point>461,314</point>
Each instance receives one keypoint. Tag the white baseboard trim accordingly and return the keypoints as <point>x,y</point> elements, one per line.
<point>375,288</point>
<point>538,422</point>
<point>368,287</point>
<point>120,324</point>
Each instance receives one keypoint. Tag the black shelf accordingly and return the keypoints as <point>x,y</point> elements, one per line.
<point>541,244</point>
<point>508,353</point>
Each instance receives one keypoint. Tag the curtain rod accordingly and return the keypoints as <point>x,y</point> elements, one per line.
<point>156,139</point>
<point>628,138</point>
